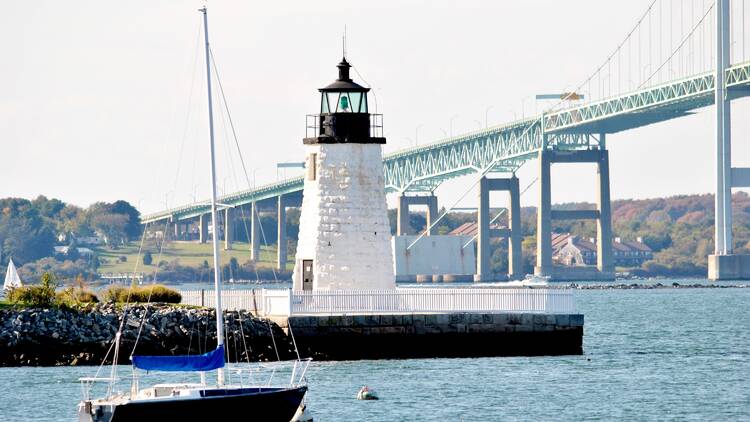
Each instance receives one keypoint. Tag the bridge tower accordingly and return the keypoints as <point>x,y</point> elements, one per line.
<point>344,235</point>
<point>605,269</point>
<point>723,264</point>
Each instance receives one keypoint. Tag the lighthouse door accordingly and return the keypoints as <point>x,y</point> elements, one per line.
<point>307,274</point>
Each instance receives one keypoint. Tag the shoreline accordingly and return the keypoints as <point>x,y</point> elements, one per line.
<point>82,336</point>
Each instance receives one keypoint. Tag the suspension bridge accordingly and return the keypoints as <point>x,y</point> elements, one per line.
<point>679,57</point>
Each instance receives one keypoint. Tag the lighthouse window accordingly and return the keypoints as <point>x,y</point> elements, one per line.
<point>311,164</point>
<point>355,99</point>
<point>343,102</point>
<point>333,101</point>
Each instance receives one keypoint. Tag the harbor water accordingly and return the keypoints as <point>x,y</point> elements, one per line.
<point>675,354</point>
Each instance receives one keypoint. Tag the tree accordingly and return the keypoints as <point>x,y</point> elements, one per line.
<point>147,258</point>
<point>133,228</point>
<point>112,226</point>
<point>24,233</point>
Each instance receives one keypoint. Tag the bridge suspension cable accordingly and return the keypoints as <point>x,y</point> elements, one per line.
<point>671,39</point>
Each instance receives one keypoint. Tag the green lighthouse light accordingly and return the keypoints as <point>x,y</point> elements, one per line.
<point>344,103</point>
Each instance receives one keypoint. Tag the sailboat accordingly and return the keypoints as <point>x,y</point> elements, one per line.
<point>199,401</point>
<point>12,280</point>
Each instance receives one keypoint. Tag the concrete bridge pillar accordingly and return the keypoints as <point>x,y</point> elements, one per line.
<point>544,217</point>
<point>604,260</point>
<point>228,229</point>
<point>724,264</point>
<point>515,255</point>
<point>402,215</point>
<point>177,230</point>
<point>203,228</point>
<point>402,212</point>
<point>254,232</point>
<point>281,250</point>
<point>602,214</point>
<point>515,261</point>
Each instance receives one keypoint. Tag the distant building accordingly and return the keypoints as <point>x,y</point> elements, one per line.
<point>571,250</point>
<point>95,240</point>
<point>84,252</point>
<point>631,254</point>
<point>470,229</point>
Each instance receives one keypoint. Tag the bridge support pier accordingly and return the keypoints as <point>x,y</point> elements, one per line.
<point>254,232</point>
<point>281,249</point>
<point>228,229</point>
<point>545,214</point>
<point>514,235</point>
<point>724,264</point>
<point>402,212</point>
<point>203,228</point>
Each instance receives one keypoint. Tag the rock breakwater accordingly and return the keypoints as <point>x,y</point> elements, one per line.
<point>83,336</point>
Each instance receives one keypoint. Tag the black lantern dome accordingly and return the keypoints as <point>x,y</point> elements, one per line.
<point>344,115</point>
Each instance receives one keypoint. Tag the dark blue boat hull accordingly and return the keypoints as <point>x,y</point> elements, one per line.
<point>246,404</point>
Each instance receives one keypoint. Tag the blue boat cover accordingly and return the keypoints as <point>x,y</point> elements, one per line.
<point>204,362</point>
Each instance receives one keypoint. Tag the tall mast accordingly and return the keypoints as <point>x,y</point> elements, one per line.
<point>217,270</point>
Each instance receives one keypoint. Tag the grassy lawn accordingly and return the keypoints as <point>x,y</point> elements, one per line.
<point>187,253</point>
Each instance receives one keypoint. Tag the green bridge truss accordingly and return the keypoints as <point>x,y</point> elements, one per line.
<point>506,147</point>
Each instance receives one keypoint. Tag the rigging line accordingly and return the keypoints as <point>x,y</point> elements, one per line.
<point>242,332</point>
<point>294,342</point>
<point>374,94</point>
<point>683,41</point>
<point>502,212</point>
<point>242,160</point>
<point>239,152</point>
<point>273,340</point>
<point>190,102</point>
<point>483,173</point>
<point>150,293</point>
<point>233,174</point>
<point>234,340</point>
<point>116,356</point>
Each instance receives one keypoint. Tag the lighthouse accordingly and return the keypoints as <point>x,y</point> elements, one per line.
<point>344,234</point>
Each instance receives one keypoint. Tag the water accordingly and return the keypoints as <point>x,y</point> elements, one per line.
<point>675,354</point>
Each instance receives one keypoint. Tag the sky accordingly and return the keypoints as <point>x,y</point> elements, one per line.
<point>104,100</point>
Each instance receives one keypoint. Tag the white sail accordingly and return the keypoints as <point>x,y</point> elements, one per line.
<point>12,279</point>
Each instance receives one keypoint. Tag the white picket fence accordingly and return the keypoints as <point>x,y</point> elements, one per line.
<point>285,302</point>
<point>248,300</point>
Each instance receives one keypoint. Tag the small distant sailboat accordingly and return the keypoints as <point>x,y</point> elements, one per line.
<point>12,280</point>
<point>196,401</point>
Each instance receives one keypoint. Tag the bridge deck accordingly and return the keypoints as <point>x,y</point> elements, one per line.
<point>506,147</point>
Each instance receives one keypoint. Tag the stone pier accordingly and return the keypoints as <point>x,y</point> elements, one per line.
<point>425,335</point>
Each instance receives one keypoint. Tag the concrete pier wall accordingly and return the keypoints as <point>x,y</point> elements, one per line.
<point>398,336</point>
<point>433,255</point>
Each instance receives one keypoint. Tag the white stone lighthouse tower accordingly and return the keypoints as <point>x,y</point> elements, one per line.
<point>344,235</point>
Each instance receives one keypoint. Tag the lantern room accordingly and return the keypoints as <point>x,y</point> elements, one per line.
<point>344,114</point>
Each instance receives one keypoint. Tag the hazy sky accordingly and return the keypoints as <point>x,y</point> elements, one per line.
<point>105,100</point>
